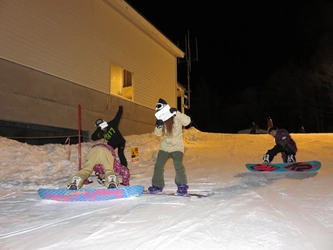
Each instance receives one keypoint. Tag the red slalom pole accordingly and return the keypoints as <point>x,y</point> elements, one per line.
<point>79,138</point>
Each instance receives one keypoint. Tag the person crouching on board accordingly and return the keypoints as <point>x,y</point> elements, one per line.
<point>169,125</point>
<point>102,159</point>
<point>284,145</point>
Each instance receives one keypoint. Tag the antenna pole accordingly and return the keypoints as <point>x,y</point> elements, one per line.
<point>188,70</point>
<point>188,61</point>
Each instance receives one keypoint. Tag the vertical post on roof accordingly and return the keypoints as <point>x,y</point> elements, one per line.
<point>188,60</point>
<point>79,136</point>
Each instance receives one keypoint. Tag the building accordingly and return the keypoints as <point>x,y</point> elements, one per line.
<point>58,57</point>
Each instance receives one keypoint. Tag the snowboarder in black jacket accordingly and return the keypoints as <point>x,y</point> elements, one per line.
<point>110,132</point>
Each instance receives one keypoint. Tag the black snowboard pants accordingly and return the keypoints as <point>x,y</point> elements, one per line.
<point>285,151</point>
<point>121,155</point>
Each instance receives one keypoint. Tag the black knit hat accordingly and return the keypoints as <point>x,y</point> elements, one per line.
<point>160,104</point>
<point>101,123</point>
<point>272,128</point>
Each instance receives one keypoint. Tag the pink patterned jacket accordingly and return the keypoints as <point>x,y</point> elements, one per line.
<point>117,167</point>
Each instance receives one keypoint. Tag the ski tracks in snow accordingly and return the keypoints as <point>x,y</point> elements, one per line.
<point>318,235</point>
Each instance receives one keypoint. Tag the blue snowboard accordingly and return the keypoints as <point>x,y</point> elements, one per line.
<point>306,166</point>
<point>66,195</point>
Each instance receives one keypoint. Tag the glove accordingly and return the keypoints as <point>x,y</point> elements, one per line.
<point>120,107</point>
<point>173,111</point>
<point>100,181</point>
<point>100,133</point>
<point>159,123</point>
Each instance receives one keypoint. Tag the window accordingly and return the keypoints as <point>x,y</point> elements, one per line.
<point>121,82</point>
<point>127,78</point>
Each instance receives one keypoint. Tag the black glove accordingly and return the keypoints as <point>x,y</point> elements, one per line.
<point>173,110</point>
<point>120,107</point>
<point>100,181</point>
<point>100,133</point>
<point>159,123</point>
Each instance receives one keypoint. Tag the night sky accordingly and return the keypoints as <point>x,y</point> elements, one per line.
<point>240,43</point>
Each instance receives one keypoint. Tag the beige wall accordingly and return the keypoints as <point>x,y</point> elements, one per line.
<point>78,40</point>
<point>27,95</point>
<point>56,55</point>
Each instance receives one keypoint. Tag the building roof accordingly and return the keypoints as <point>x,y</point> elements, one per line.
<point>144,25</point>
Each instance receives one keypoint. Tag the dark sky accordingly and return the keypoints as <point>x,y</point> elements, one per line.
<point>240,43</point>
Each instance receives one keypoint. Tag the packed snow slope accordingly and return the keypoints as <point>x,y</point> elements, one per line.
<point>247,211</point>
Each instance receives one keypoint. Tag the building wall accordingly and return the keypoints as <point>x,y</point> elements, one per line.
<point>30,96</point>
<point>58,54</point>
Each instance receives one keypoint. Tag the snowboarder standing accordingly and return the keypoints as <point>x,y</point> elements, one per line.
<point>254,128</point>
<point>284,145</point>
<point>269,123</point>
<point>169,125</point>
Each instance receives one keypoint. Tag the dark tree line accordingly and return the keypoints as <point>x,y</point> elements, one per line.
<point>300,94</point>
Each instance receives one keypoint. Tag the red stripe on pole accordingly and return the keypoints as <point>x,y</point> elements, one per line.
<point>79,137</point>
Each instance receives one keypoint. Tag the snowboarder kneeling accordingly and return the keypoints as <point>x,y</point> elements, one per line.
<point>101,159</point>
<point>284,145</point>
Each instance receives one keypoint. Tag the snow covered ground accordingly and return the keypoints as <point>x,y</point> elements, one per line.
<point>247,211</point>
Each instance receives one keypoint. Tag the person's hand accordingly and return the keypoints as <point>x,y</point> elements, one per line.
<point>173,111</point>
<point>120,107</point>
<point>100,133</point>
<point>159,123</point>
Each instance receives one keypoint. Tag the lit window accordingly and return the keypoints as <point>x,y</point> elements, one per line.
<point>121,82</point>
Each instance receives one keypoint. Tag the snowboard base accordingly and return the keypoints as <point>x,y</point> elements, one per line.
<point>65,195</point>
<point>202,194</point>
<point>306,166</point>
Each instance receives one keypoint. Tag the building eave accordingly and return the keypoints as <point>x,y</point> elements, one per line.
<point>141,23</point>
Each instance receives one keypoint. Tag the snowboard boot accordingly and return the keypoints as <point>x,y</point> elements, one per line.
<point>182,189</point>
<point>112,181</point>
<point>266,159</point>
<point>291,158</point>
<point>75,183</point>
<point>154,189</point>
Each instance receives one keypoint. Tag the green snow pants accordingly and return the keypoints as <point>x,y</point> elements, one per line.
<point>158,177</point>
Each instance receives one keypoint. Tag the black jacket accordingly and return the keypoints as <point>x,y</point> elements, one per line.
<point>112,133</point>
